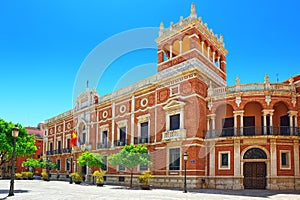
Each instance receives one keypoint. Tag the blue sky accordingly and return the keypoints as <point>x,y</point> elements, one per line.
<point>43,44</point>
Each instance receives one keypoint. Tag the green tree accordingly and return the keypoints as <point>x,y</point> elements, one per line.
<point>130,157</point>
<point>30,162</point>
<point>90,159</point>
<point>24,145</point>
<point>38,163</point>
<point>44,164</point>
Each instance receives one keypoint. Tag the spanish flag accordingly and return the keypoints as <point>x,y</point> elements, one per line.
<point>74,139</point>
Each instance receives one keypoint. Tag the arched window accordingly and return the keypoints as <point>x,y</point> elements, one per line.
<point>255,153</point>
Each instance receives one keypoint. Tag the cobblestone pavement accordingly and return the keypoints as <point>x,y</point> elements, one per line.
<point>37,189</point>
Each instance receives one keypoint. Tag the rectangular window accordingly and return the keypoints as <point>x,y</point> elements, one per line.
<point>224,160</point>
<point>143,167</point>
<point>104,139</point>
<point>174,159</point>
<point>83,138</point>
<point>121,168</point>
<point>144,132</point>
<point>68,143</point>
<point>174,122</point>
<point>58,164</point>
<point>58,146</point>
<point>50,147</point>
<point>68,164</point>
<point>285,159</point>
<point>224,157</point>
<point>104,167</point>
<point>122,135</point>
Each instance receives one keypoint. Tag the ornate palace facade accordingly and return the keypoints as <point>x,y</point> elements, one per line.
<point>237,137</point>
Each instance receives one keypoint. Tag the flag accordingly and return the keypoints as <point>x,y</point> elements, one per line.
<point>74,139</point>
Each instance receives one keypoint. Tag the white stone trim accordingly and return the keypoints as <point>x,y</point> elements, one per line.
<point>173,108</point>
<point>220,166</point>
<point>144,102</point>
<point>122,109</point>
<point>121,124</point>
<point>102,129</point>
<point>105,114</point>
<point>288,160</point>
<point>173,88</point>
<point>168,158</point>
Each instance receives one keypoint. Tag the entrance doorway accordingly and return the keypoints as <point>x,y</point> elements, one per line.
<point>255,175</point>
<point>284,125</point>
<point>249,125</point>
<point>255,172</point>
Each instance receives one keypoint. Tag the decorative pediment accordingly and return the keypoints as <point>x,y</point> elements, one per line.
<point>174,105</point>
<point>143,118</point>
<point>104,127</point>
<point>122,123</point>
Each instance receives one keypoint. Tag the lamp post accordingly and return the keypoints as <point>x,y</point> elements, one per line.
<point>15,133</point>
<point>185,157</point>
<point>48,168</point>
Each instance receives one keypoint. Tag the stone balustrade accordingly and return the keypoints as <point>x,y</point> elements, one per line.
<point>174,134</point>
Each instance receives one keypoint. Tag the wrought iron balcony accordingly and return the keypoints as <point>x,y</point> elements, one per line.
<point>254,131</point>
<point>174,134</point>
<point>143,140</point>
<point>49,152</point>
<point>120,142</point>
<point>103,145</point>
<point>85,146</point>
<point>57,151</point>
<point>67,150</point>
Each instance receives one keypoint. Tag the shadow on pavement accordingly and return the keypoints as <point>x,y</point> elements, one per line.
<point>15,191</point>
<point>126,188</point>
<point>250,193</point>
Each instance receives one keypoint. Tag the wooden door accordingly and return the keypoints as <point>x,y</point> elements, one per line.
<point>255,175</point>
<point>284,125</point>
<point>249,125</point>
<point>228,124</point>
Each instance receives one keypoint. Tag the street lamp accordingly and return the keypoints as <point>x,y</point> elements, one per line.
<point>14,133</point>
<point>48,168</point>
<point>185,157</point>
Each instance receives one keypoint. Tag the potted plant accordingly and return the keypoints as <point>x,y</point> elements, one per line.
<point>99,177</point>
<point>76,177</point>
<point>29,175</point>
<point>19,176</point>
<point>144,180</point>
<point>24,175</point>
<point>44,176</point>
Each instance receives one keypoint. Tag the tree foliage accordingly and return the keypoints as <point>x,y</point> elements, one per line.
<point>130,157</point>
<point>90,159</point>
<point>24,143</point>
<point>30,162</point>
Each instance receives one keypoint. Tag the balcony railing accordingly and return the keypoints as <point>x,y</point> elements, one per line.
<point>252,87</point>
<point>120,142</point>
<point>174,134</point>
<point>143,140</point>
<point>103,145</point>
<point>254,131</point>
<point>57,151</point>
<point>67,150</point>
<point>49,152</point>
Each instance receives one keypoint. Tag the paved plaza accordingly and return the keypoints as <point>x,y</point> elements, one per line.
<point>37,189</point>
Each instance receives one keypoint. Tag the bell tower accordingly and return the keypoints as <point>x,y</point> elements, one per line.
<point>191,40</point>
